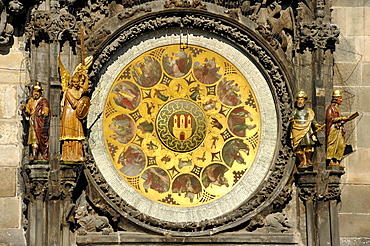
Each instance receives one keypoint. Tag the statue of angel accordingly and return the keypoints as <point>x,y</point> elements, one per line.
<point>75,107</point>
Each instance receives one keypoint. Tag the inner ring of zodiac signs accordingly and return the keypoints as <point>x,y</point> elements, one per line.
<point>182,126</point>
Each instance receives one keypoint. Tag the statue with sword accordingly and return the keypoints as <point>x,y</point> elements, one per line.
<point>303,131</point>
<point>75,106</point>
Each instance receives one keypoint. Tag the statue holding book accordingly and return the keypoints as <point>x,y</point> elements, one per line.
<point>335,133</point>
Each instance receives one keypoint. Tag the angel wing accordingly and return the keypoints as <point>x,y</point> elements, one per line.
<point>64,75</point>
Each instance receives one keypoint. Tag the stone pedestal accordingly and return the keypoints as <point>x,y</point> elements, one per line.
<point>237,238</point>
<point>48,196</point>
<point>320,193</point>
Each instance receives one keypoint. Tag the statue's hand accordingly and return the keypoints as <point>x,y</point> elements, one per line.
<point>105,231</point>
<point>45,113</point>
<point>84,73</point>
<point>81,231</point>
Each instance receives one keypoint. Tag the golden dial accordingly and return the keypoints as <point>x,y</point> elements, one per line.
<point>182,127</point>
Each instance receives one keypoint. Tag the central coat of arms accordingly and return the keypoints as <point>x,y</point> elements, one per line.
<point>181,125</point>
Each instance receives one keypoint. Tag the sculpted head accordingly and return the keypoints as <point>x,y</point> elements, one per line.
<point>337,96</point>
<point>36,91</point>
<point>75,82</point>
<point>301,98</point>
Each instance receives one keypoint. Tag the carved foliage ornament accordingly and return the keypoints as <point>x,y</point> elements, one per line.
<point>36,181</point>
<point>268,190</point>
<point>317,34</point>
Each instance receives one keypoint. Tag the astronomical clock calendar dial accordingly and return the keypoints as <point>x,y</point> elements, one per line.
<point>181,126</point>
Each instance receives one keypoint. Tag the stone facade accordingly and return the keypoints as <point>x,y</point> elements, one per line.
<point>12,79</point>
<point>350,73</point>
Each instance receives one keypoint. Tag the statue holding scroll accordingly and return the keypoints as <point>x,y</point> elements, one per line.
<point>335,133</point>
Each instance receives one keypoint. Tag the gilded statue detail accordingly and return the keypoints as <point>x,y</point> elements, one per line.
<point>37,110</point>
<point>303,128</point>
<point>335,133</point>
<point>74,109</point>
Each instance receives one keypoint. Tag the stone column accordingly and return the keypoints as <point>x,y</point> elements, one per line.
<point>307,193</point>
<point>48,210</point>
<point>68,178</point>
<point>332,196</point>
<point>320,40</point>
<point>36,182</point>
<point>323,85</point>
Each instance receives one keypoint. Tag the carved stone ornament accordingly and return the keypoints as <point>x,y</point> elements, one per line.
<point>308,193</point>
<point>269,190</point>
<point>185,4</point>
<point>6,29</point>
<point>274,23</point>
<point>87,220</point>
<point>316,34</point>
<point>15,6</point>
<point>307,186</point>
<point>276,223</point>
<point>50,25</point>
<point>68,179</point>
<point>309,189</point>
<point>36,180</point>
<point>333,190</point>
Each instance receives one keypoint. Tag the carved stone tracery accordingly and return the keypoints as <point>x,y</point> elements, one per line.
<point>49,26</point>
<point>278,23</point>
<point>318,35</point>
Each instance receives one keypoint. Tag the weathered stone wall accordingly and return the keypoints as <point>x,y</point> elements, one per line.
<point>12,74</point>
<point>352,75</point>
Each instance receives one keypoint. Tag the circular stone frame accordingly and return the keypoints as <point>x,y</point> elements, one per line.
<point>274,99</point>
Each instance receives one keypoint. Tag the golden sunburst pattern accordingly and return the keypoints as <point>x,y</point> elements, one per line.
<point>182,126</point>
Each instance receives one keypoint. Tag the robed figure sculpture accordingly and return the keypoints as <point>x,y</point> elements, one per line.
<point>336,146</point>
<point>37,110</point>
<point>74,109</point>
